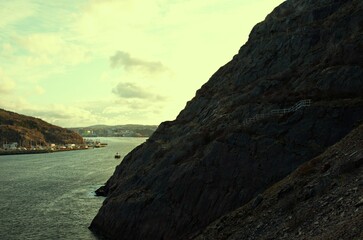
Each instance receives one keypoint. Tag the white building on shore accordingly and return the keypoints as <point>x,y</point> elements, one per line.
<point>10,146</point>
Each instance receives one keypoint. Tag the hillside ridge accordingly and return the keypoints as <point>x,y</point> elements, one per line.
<point>28,131</point>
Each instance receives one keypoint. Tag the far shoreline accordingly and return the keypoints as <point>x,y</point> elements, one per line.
<point>37,151</point>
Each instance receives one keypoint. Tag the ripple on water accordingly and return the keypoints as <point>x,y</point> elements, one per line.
<point>51,196</point>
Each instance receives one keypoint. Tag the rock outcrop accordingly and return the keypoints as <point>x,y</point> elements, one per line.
<point>208,162</point>
<point>322,199</point>
<point>29,130</point>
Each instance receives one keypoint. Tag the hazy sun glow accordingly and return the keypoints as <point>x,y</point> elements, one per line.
<point>78,63</point>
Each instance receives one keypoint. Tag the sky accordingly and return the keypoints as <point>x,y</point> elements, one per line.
<point>113,62</point>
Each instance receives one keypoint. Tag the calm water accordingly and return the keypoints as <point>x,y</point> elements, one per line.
<point>50,196</point>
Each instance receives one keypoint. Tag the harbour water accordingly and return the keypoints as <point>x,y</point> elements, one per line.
<point>51,196</point>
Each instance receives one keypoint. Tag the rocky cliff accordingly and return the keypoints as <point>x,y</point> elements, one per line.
<point>245,129</point>
<point>322,199</point>
<point>29,130</point>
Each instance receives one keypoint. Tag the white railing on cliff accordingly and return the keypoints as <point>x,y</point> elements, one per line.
<point>274,112</point>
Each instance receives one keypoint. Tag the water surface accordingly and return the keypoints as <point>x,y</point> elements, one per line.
<point>50,196</point>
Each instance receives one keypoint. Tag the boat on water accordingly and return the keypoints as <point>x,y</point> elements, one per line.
<point>117,155</point>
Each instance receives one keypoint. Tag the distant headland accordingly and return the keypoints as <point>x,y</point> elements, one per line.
<point>20,134</point>
<point>25,134</point>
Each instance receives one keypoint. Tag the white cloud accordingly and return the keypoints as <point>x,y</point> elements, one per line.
<point>13,11</point>
<point>7,85</point>
<point>7,50</point>
<point>139,111</point>
<point>51,48</point>
<point>70,43</point>
<point>39,90</point>
<point>62,115</point>
<point>130,90</point>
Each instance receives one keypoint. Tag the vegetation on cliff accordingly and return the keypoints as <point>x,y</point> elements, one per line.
<point>29,130</point>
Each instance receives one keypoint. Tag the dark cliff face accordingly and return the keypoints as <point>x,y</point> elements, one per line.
<point>322,199</point>
<point>210,161</point>
<point>27,130</point>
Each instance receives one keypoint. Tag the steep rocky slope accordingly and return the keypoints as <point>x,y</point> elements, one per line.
<point>210,160</point>
<point>322,199</point>
<point>29,130</point>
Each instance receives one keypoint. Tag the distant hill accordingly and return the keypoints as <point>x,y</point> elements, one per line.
<point>27,130</point>
<point>128,130</point>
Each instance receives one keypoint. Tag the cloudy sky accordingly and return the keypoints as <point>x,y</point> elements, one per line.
<point>85,62</point>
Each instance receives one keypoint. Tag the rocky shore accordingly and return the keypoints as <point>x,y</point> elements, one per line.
<point>208,163</point>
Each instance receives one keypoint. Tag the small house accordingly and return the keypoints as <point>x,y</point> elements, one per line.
<point>10,146</point>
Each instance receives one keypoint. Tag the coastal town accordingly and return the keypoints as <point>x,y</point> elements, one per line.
<point>17,148</point>
<point>21,134</point>
<point>130,130</point>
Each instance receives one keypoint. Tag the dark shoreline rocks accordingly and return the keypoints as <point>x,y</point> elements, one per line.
<point>207,163</point>
<point>101,191</point>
